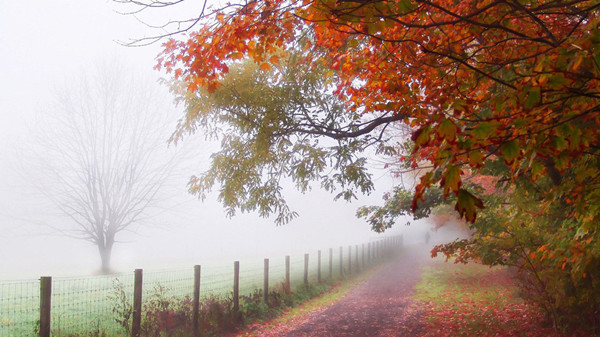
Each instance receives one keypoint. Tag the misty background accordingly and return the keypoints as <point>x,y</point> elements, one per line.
<point>45,45</point>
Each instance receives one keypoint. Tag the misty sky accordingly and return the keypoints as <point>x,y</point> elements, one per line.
<point>44,44</point>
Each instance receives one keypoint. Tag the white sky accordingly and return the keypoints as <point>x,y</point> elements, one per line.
<point>42,44</point>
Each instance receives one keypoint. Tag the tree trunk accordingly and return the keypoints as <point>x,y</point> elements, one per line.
<point>105,253</point>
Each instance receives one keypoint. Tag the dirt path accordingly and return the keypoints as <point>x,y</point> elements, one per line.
<point>381,306</point>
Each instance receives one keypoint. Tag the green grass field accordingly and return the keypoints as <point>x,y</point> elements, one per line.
<point>83,304</point>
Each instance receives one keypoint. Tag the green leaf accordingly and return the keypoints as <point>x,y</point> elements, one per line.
<point>557,81</point>
<point>475,158</point>
<point>406,6</point>
<point>521,123</point>
<point>459,105</point>
<point>467,204</point>
<point>575,140</point>
<point>484,130</point>
<point>537,169</point>
<point>510,151</point>
<point>562,161</point>
<point>532,97</point>
<point>466,143</point>
<point>421,136</point>
<point>559,143</point>
<point>565,129</point>
<point>447,129</point>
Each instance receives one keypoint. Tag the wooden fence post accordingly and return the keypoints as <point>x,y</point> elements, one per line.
<point>137,303</point>
<point>357,260</point>
<point>330,263</point>
<point>385,247</point>
<point>341,262</point>
<point>363,256</point>
<point>388,250</point>
<point>196,307</point>
<point>288,288</point>
<point>319,266</point>
<point>349,260</point>
<point>236,287</point>
<point>45,305</point>
<point>375,251</point>
<point>266,283</point>
<point>306,269</point>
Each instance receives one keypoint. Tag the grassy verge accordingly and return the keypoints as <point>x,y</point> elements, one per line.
<point>475,300</point>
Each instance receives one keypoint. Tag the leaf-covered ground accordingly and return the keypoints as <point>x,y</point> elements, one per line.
<point>414,295</point>
<point>475,300</point>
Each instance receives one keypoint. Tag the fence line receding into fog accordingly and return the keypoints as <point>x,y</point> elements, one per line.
<point>67,305</point>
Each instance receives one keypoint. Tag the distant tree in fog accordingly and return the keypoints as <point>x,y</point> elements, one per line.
<point>104,155</point>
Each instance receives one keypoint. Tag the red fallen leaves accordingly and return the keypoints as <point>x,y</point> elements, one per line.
<point>483,305</point>
<point>472,318</point>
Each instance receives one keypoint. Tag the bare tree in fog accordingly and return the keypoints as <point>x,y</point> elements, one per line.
<point>104,155</point>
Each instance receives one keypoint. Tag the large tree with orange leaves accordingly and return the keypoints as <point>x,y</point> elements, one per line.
<point>508,88</point>
<point>516,80</point>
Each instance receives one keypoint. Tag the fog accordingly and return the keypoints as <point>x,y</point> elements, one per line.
<point>44,45</point>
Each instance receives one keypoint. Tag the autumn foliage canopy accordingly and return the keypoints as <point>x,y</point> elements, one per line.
<point>476,79</point>
<point>504,88</point>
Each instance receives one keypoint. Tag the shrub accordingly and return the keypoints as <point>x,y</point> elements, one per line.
<point>122,307</point>
<point>216,315</point>
<point>169,316</point>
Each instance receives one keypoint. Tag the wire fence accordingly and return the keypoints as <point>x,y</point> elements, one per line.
<point>19,307</point>
<point>84,305</point>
